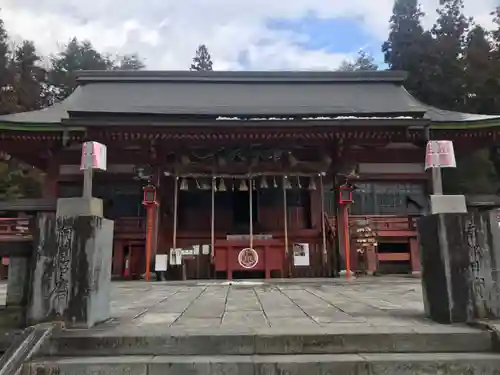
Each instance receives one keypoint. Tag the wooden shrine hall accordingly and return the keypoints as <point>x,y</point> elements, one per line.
<point>252,174</point>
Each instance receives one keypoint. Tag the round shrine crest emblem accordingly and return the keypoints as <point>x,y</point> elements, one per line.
<point>248,258</point>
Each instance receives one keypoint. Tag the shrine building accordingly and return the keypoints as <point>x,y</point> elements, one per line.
<point>255,174</point>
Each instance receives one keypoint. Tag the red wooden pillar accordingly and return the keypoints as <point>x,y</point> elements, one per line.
<point>348,254</point>
<point>415,256</point>
<point>118,261</point>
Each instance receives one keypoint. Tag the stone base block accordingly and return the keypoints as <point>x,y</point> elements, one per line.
<point>72,276</point>
<point>444,204</point>
<point>79,207</point>
<point>459,255</point>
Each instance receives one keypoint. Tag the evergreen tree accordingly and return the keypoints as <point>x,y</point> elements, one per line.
<point>363,62</point>
<point>7,98</point>
<point>129,62</point>
<point>410,48</point>
<point>449,32</point>
<point>83,56</point>
<point>496,32</point>
<point>495,55</point>
<point>481,88</point>
<point>29,78</point>
<point>75,56</point>
<point>202,61</point>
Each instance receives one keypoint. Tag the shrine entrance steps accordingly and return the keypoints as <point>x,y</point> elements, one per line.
<point>365,326</point>
<point>452,350</point>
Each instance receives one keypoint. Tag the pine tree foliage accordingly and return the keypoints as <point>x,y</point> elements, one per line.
<point>202,61</point>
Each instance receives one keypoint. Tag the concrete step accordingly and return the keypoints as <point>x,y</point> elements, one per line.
<point>305,364</point>
<point>452,339</point>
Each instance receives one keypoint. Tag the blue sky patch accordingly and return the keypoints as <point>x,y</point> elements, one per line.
<point>339,35</point>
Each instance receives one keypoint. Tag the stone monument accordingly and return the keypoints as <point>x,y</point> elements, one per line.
<point>73,253</point>
<point>459,252</point>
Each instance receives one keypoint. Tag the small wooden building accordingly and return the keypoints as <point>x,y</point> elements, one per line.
<point>247,165</point>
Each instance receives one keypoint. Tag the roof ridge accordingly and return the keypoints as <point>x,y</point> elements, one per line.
<point>383,76</point>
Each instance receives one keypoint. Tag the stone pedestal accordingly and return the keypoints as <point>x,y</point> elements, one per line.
<point>459,266</point>
<point>18,282</point>
<point>18,286</point>
<point>72,274</point>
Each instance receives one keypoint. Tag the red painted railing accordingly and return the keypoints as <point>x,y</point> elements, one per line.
<point>125,226</point>
<point>382,223</point>
<point>386,222</point>
<point>14,227</point>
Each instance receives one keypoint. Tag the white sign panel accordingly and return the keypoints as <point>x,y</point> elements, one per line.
<point>94,156</point>
<point>178,256</point>
<point>175,257</point>
<point>205,249</point>
<point>161,262</point>
<point>196,249</point>
<point>440,154</point>
<point>301,254</point>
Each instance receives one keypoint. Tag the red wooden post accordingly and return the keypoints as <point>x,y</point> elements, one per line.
<point>347,242</point>
<point>149,238</point>
<point>118,258</point>
<point>345,198</point>
<point>150,202</point>
<point>414,256</point>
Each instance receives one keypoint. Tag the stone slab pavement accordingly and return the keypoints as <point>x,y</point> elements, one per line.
<point>363,304</point>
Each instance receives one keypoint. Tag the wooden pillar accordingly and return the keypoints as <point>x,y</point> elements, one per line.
<point>50,185</point>
<point>371,260</point>
<point>315,208</point>
<point>415,256</point>
<point>156,217</point>
<point>118,261</point>
<point>344,238</point>
<point>288,256</point>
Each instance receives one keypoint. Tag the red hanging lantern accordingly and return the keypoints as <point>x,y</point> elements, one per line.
<point>149,198</point>
<point>345,194</point>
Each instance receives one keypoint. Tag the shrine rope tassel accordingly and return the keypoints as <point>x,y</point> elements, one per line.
<point>323,216</point>
<point>250,202</point>
<point>176,204</point>
<point>285,223</point>
<point>212,221</point>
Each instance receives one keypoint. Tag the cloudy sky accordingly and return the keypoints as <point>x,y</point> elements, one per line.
<point>240,34</point>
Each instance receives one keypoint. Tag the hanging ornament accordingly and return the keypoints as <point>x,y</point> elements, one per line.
<point>184,184</point>
<point>287,183</point>
<point>198,184</point>
<point>298,182</point>
<point>275,183</point>
<point>243,186</point>
<point>222,185</point>
<point>312,184</point>
<point>263,183</point>
<point>205,186</point>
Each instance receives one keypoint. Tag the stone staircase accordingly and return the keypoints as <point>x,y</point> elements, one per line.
<point>394,350</point>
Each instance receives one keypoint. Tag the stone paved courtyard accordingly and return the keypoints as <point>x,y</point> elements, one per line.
<point>318,304</point>
<point>368,304</point>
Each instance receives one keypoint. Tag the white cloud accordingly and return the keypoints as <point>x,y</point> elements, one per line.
<point>167,32</point>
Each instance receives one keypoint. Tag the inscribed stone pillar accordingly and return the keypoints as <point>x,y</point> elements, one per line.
<point>72,275</point>
<point>459,255</point>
